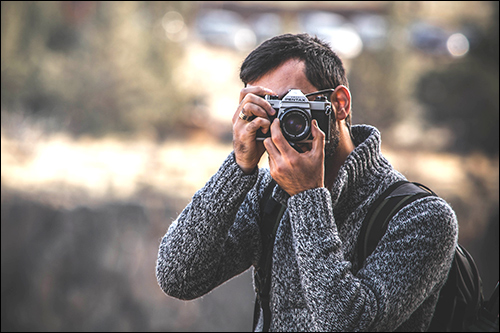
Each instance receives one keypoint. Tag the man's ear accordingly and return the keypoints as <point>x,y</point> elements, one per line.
<point>341,100</point>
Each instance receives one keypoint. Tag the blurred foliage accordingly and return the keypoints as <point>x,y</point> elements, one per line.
<point>463,96</point>
<point>374,103</point>
<point>99,68</point>
<point>83,67</point>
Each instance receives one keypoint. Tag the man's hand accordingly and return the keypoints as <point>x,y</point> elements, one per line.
<point>247,150</point>
<point>296,172</point>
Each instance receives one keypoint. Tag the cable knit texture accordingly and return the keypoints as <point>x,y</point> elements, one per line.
<point>316,282</point>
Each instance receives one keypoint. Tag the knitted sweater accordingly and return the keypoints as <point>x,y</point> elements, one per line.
<point>316,284</point>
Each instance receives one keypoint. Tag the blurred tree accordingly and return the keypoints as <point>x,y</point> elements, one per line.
<point>463,96</point>
<point>381,78</point>
<point>373,83</point>
<point>92,67</point>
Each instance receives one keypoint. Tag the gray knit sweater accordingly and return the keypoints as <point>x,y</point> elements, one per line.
<point>316,284</point>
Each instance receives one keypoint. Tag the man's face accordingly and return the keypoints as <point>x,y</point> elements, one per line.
<point>291,75</point>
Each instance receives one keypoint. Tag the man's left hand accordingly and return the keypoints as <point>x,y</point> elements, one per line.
<point>296,172</point>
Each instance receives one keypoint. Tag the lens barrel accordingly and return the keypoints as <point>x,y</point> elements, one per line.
<point>295,124</point>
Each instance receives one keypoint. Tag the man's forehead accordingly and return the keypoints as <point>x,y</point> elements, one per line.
<point>287,76</point>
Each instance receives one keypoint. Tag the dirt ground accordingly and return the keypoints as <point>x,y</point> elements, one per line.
<point>82,220</point>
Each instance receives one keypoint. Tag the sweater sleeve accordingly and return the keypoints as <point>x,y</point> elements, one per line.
<point>411,261</point>
<point>211,241</point>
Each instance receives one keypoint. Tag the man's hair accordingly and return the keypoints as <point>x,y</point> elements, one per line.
<point>323,68</point>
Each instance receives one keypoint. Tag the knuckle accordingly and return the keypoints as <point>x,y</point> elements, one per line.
<point>279,169</point>
<point>252,127</point>
<point>319,133</point>
<point>250,108</point>
<point>277,137</point>
<point>293,160</point>
<point>243,93</point>
<point>262,122</point>
<point>252,97</point>
<point>245,96</point>
<point>257,110</point>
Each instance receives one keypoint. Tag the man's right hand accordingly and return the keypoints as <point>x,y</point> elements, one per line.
<point>247,150</point>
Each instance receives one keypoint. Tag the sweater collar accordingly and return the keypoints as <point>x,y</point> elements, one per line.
<point>365,160</point>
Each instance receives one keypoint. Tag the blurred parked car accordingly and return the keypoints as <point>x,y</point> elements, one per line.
<point>266,25</point>
<point>435,40</point>
<point>334,29</point>
<point>225,28</point>
<point>428,37</point>
<point>373,30</point>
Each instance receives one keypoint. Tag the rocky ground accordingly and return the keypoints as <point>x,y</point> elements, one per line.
<point>82,220</point>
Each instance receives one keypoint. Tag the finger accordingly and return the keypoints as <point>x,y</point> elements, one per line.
<point>250,111</point>
<point>270,147</point>
<point>279,140</point>
<point>272,153</point>
<point>255,94</point>
<point>255,109</point>
<point>258,123</point>
<point>253,106</point>
<point>318,143</point>
<point>259,101</point>
<point>256,90</point>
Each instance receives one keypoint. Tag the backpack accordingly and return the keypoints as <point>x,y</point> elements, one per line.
<point>461,305</point>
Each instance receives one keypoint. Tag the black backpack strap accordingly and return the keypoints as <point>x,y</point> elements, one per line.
<point>383,210</point>
<point>461,297</point>
<point>271,213</point>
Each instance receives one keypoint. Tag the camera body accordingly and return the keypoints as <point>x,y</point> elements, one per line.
<point>296,113</point>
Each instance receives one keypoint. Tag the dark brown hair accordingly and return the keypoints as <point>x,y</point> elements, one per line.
<point>323,68</point>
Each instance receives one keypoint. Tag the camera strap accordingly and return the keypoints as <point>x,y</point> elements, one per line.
<point>271,214</point>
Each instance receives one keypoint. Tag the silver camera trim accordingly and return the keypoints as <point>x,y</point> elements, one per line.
<point>296,99</point>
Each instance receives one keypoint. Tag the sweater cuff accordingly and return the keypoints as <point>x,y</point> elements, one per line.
<point>312,206</point>
<point>230,182</point>
<point>313,223</point>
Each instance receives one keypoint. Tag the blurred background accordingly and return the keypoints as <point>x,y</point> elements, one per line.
<point>114,113</point>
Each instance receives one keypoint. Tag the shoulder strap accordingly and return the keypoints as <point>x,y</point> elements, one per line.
<point>268,211</point>
<point>271,213</point>
<point>381,212</point>
<point>461,297</point>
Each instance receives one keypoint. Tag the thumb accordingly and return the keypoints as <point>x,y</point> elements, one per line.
<point>318,142</point>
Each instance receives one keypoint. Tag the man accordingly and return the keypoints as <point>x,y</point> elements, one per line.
<point>316,283</point>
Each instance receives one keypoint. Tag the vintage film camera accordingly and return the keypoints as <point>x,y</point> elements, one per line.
<point>296,113</point>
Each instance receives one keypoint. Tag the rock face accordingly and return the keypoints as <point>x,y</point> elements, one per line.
<point>93,269</point>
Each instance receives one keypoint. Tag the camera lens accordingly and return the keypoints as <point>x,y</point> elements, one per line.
<point>295,124</point>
